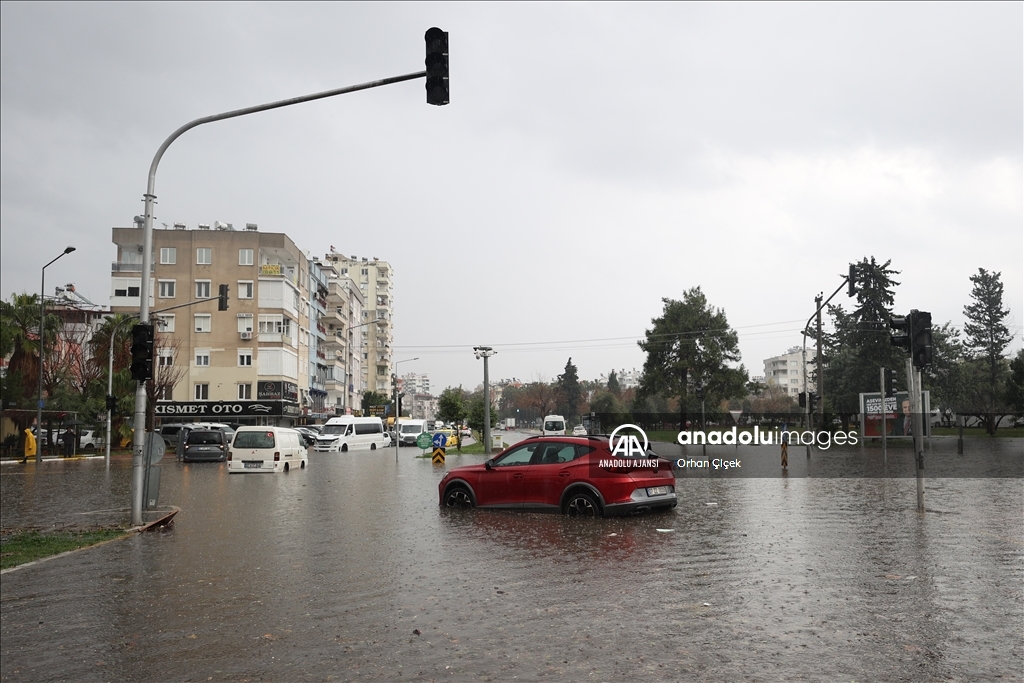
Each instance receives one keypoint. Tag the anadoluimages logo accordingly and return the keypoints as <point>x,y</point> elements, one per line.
<point>627,445</point>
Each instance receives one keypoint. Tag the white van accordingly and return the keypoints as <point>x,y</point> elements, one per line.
<point>350,433</point>
<point>266,449</point>
<point>554,425</point>
<point>409,430</point>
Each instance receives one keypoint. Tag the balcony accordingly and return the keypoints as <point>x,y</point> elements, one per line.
<point>123,267</point>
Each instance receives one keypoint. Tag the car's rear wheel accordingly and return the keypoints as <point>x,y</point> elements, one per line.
<point>373,446</point>
<point>581,504</point>
<point>286,467</point>
<point>457,497</point>
<point>302,465</point>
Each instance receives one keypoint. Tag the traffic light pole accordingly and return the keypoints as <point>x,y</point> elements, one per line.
<point>884,393</point>
<point>914,382</point>
<point>139,440</point>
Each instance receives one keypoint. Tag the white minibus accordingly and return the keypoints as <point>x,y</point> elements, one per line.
<point>554,425</point>
<point>350,433</point>
<point>266,449</point>
<point>409,430</point>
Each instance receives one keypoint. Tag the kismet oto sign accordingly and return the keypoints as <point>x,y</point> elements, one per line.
<point>224,409</point>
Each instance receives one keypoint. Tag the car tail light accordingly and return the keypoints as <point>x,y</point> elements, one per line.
<point>229,456</point>
<point>277,456</point>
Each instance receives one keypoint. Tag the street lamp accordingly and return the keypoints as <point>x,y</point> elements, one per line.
<point>486,352</point>
<point>42,322</point>
<point>394,384</point>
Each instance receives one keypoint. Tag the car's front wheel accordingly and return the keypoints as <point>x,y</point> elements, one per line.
<point>582,504</point>
<point>373,446</point>
<point>457,497</point>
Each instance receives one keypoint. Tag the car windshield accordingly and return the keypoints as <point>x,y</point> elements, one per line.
<point>554,426</point>
<point>205,438</point>
<point>334,429</point>
<point>411,429</point>
<point>254,440</point>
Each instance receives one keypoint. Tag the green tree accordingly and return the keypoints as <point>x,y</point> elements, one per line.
<point>475,414</point>
<point>986,340</point>
<point>372,398</point>
<point>691,345</point>
<point>613,384</point>
<point>451,405</point>
<point>1015,385</point>
<point>946,378</point>
<point>569,391</point>
<point>860,344</point>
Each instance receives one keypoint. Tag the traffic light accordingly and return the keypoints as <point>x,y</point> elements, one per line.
<point>901,324</point>
<point>437,66</point>
<point>889,383</point>
<point>699,392</point>
<point>222,302</point>
<point>142,352</point>
<point>921,338</point>
<point>852,280</point>
<point>814,398</point>
<point>803,399</point>
<point>111,403</point>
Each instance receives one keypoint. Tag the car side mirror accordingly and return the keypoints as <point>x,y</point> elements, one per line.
<point>488,465</point>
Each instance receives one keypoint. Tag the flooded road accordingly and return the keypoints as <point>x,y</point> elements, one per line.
<point>348,570</point>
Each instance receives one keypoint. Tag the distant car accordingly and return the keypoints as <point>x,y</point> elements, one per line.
<point>91,439</point>
<point>577,476</point>
<point>308,435</point>
<point>466,431</point>
<point>579,430</point>
<point>205,445</point>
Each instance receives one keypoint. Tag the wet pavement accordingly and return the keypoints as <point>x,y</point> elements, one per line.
<point>348,570</point>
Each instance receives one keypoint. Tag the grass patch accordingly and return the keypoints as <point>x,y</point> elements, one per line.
<point>32,545</point>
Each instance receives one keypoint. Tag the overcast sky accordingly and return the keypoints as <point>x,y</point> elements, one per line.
<point>593,160</point>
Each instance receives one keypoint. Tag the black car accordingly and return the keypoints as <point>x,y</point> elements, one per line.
<point>205,445</point>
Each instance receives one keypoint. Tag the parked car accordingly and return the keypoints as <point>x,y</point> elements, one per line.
<point>205,445</point>
<point>308,435</point>
<point>577,476</point>
<point>579,430</point>
<point>266,449</point>
<point>91,439</point>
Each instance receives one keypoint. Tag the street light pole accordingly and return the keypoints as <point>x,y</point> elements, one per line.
<point>394,385</point>
<point>486,352</point>
<point>42,343</point>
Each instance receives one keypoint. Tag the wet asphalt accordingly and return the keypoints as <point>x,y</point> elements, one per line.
<point>348,570</point>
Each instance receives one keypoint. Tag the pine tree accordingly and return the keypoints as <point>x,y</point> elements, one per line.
<point>568,384</point>
<point>987,338</point>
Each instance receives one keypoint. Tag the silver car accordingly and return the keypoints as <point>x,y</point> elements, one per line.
<point>205,445</point>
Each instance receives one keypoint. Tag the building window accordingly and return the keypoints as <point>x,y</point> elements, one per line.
<point>202,322</point>
<point>165,357</point>
<point>202,289</point>
<point>245,322</point>
<point>202,392</point>
<point>245,288</point>
<point>203,358</point>
<point>204,256</point>
<point>166,289</point>
<point>245,358</point>
<point>164,392</point>
<point>168,256</point>
<point>245,257</point>
<point>245,392</point>
<point>275,324</point>
<point>165,322</point>
<point>364,271</point>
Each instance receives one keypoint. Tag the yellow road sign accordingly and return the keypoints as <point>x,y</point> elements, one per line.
<point>438,458</point>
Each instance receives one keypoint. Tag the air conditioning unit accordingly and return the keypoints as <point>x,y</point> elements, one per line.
<point>245,335</point>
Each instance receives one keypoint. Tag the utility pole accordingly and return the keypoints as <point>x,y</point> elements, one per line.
<point>486,352</point>
<point>819,388</point>
<point>914,382</point>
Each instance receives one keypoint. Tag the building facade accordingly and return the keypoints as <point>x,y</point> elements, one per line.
<point>375,280</point>
<point>787,370</point>
<point>249,364</point>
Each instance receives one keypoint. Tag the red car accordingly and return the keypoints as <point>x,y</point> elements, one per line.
<point>577,476</point>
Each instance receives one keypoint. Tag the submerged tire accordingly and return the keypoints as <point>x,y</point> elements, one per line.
<point>582,504</point>
<point>457,497</point>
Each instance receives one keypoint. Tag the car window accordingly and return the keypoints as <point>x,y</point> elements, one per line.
<point>254,440</point>
<point>205,438</point>
<point>555,453</point>
<point>517,456</point>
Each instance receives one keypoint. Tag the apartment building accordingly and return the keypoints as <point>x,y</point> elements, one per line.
<point>787,370</point>
<point>341,323</point>
<point>375,280</point>
<point>249,364</point>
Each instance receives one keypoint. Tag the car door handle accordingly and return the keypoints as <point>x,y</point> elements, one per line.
<point>564,473</point>
<point>517,476</point>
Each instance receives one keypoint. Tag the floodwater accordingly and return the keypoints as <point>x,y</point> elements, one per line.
<point>348,570</point>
